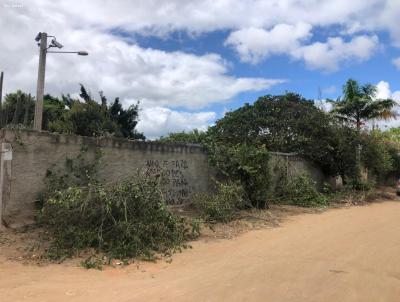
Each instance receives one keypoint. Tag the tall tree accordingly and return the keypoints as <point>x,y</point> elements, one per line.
<point>285,123</point>
<point>69,115</point>
<point>18,109</point>
<point>90,118</point>
<point>359,104</point>
<point>127,119</point>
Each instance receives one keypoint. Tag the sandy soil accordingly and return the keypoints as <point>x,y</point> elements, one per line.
<point>348,254</point>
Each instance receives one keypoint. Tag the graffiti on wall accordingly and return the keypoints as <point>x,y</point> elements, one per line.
<point>174,182</point>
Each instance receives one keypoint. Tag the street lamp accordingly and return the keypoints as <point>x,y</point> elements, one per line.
<point>41,38</point>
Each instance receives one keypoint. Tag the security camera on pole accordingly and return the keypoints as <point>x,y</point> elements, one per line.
<point>41,39</point>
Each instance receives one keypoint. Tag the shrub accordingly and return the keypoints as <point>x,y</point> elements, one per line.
<point>247,164</point>
<point>222,206</point>
<point>122,220</point>
<point>376,154</point>
<point>301,191</point>
<point>78,171</point>
<point>361,185</point>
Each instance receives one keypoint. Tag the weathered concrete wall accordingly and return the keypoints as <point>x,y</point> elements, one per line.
<point>290,165</point>
<point>35,152</point>
<point>23,170</point>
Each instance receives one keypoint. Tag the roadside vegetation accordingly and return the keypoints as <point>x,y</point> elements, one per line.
<point>128,219</point>
<point>337,141</point>
<point>80,116</point>
<point>122,220</point>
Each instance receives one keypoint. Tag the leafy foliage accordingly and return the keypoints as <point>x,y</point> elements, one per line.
<point>380,154</point>
<point>67,115</point>
<point>301,191</point>
<point>246,164</point>
<point>222,206</point>
<point>342,157</point>
<point>90,118</point>
<point>283,123</point>
<point>124,220</point>
<point>79,171</point>
<point>359,104</point>
<point>290,123</point>
<point>239,162</point>
<point>192,137</point>
<point>392,135</point>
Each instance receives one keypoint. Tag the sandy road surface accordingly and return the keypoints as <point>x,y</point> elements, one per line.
<point>350,254</point>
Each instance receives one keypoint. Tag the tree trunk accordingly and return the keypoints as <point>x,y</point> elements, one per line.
<point>358,150</point>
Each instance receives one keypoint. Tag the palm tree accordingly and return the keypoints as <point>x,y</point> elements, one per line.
<point>359,104</point>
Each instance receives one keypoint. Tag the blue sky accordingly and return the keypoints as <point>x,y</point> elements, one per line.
<point>188,62</point>
<point>311,83</point>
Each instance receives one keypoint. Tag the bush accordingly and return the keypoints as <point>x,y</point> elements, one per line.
<point>376,154</point>
<point>222,206</point>
<point>246,164</point>
<point>361,185</point>
<point>123,220</point>
<point>78,171</point>
<point>301,191</point>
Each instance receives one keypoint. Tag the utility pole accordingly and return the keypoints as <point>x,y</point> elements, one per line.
<point>41,38</point>
<point>1,99</point>
<point>37,121</point>
<point>1,87</point>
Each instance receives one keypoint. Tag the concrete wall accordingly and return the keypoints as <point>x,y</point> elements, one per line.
<point>35,152</point>
<point>290,165</point>
<point>27,155</point>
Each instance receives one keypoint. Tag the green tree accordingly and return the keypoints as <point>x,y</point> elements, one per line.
<point>90,118</point>
<point>359,104</point>
<point>191,137</point>
<point>283,123</point>
<point>238,142</point>
<point>247,164</point>
<point>288,123</point>
<point>381,153</point>
<point>126,119</point>
<point>393,135</point>
<point>19,107</point>
<point>68,115</point>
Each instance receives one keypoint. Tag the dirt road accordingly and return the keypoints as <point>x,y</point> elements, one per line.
<point>350,254</point>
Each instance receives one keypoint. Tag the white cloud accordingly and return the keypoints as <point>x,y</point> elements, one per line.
<point>160,78</point>
<point>386,18</point>
<point>396,62</point>
<point>161,17</point>
<point>114,65</point>
<point>329,55</point>
<point>158,121</point>
<point>254,44</point>
<point>384,92</point>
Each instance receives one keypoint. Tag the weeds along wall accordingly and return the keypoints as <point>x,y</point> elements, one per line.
<point>290,165</point>
<point>27,155</point>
